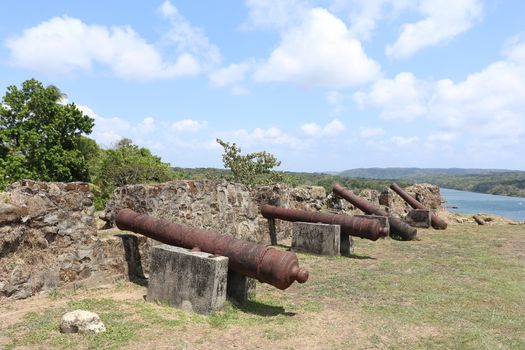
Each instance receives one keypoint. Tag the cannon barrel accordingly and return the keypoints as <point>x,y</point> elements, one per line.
<point>266,264</point>
<point>435,221</point>
<point>397,226</point>
<point>359,227</point>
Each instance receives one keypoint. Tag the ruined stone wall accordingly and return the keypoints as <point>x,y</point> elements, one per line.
<point>225,207</point>
<point>429,195</point>
<point>48,239</point>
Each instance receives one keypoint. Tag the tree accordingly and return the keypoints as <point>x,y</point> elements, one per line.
<point>250,169</point>
<point>40,136</point>
<point>127,164</point>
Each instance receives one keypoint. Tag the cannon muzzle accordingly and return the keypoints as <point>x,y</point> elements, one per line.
<point>358,227</point>
<point>266,264</point>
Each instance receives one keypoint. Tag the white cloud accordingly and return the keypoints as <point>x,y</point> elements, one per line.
<point>147,125</point>
<point>443,20</point>
<point>403,97</point>
<point>333,128</point>
<point>66,45</point>
<point>441,137</point>
<point>189,39</point>
<point>401,141</point>
<point>320,51</point>
<point>262,137</point>
<point>234,73</point>
<point>367,133</point>
<point>311,129</point>
<point>188,125</point>
<point>107,131</point>
<point>364,15</point>
<point>488,104</point>
<point>275,14</point>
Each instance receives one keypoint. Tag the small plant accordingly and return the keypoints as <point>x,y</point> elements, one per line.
<point>253,168</point>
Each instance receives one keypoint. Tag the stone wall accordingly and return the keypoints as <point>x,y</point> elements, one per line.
<point>233,209</point>
<point>48,239</point>
<point>225,207</point>
<point>429,195</point>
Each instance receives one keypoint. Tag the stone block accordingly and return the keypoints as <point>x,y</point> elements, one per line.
<point>346,245</point>
<point>194,281</point>
<point>316,238</point>
<point>239,287</point>
<point>418,218</point>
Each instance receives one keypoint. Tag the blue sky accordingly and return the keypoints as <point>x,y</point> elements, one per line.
<point>324,85</point>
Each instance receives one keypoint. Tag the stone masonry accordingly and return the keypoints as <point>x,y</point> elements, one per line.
<point>49,238</point>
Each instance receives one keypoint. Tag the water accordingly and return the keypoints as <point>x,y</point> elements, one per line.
<point>475,203</point>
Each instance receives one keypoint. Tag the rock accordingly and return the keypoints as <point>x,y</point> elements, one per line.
<point>9,213</point>
<point>81,321</point>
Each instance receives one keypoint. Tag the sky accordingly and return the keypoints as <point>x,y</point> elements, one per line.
<point>323,85</point>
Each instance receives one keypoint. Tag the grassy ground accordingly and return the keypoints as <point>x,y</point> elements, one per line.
<point>463,288</point>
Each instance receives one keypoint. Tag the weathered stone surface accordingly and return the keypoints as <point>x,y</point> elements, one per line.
<point>427,194</point>
<point>47,239</point>
<point>418,218</point>
<point>346,245</point>
<point>81,321</point>
<point>227,208</point>
<point>193,281</point>
<point>240,288</point>
<point>50,241</point>
<point>316,238</point>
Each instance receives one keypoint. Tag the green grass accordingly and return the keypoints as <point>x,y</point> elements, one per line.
<point>463,288</point>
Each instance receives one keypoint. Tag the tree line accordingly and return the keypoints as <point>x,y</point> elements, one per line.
<point>42,138</point>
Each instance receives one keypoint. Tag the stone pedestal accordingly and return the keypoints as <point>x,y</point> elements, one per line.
<point>239,287</point>
<point>346,245</point>
<point>419,218</point>
<point>273,231</point>
<point>316,238</point>
<point>194,281</point>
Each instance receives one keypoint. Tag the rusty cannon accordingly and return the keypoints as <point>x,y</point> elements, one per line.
<point>435,221</point>
<point>398,228</point>
<point>266,264</point>
<point>358,227</point>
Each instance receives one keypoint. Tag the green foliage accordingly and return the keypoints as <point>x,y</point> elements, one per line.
<point>492,181</point>
<point>250,169</point>
<point>127,164</point>
<point>40,137</point>
<point>504,183</point>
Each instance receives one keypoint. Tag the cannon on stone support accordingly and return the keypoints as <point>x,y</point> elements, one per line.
<point>358,227</point>
<point>435,221</point>
<point>266,264</point>
<point>397,226</point>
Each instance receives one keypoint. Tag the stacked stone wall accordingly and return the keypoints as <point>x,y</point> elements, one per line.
<point>48,240</point>
<point>49,237</point>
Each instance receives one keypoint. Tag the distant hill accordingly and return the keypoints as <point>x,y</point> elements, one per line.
<point>416,173</point>
<point>493,181</point>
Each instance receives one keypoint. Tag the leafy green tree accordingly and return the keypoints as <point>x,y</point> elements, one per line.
<point>127,164</point>
<point>250,169</point>
<point>40,136</point>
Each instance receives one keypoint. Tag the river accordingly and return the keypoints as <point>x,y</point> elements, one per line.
<point>474,203</point>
